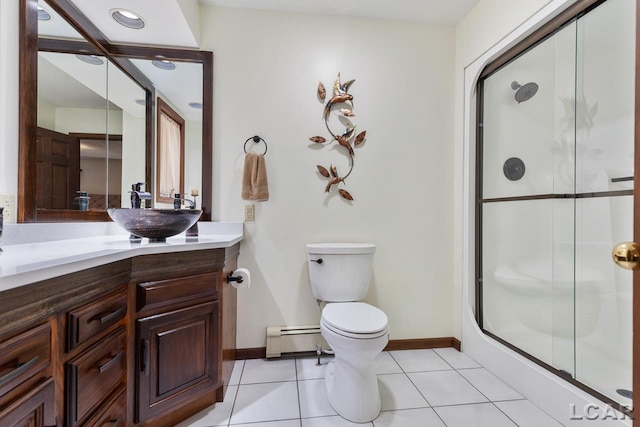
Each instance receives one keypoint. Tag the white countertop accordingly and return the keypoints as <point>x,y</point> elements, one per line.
<point>33,260</point>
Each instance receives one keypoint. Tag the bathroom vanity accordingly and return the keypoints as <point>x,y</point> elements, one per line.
<point>119,334</point>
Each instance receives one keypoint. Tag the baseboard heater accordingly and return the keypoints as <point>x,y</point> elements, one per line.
<point>293,339</point>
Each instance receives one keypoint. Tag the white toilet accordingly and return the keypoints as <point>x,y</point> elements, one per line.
<point>356,332</point>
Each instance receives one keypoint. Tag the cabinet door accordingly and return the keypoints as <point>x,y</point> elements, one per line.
<point>177,361</point>
<point>34,409</point>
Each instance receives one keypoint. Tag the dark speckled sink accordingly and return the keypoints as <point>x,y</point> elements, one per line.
<point>155,224</point>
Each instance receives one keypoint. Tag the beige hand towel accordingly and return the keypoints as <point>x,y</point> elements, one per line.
<point>254,178</point>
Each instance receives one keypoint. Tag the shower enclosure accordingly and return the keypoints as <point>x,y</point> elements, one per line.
<point>554,192</point>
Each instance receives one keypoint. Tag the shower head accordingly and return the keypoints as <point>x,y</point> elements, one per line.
<point>524,92</point>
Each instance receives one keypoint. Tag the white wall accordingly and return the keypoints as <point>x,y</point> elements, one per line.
<point>266,69</point>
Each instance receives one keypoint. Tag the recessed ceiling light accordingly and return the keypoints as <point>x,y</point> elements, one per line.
<point>43,15</point>
<point>90,59</point>
<point>163,64</point>
<point>196,105</point>
<point>127,18</point>
<point>141,102</point>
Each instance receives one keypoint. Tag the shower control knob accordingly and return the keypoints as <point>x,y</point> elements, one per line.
<point>627,255</point>
<point>319,260</point>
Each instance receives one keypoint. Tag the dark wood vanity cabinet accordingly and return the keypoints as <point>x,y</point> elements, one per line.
<point>33,409</point>
<point>144,341</point>
<point>95,360</point>
<point>177,361</point>
<point>177,334</point>
<point>26,382</point>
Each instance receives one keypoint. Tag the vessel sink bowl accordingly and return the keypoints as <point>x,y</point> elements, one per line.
<point>155,224</point>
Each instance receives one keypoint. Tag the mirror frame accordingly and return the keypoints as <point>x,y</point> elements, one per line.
<point>118,54</point>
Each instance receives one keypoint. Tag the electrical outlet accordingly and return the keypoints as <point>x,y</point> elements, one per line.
<point>249,213</point>
<point>8,202</point>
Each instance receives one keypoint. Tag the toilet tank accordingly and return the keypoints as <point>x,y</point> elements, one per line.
<point>344,272</point>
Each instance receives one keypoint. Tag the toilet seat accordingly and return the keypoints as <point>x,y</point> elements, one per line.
<point>355,320</point>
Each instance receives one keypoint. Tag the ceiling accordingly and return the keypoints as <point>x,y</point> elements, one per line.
<point>175,22</point>
<point>167,21</point>
<point>446,12</point>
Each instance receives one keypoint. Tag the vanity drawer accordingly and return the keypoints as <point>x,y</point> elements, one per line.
<point>24,356</point>
<point>89,320</point>
<point>93,375</point>
<point>113,415</point>
<point>173,291</point>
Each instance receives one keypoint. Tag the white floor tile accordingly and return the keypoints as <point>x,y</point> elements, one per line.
<point>237,371</point>
<point>266,402</point>
<point>423,417</point>
<point>216,415</point>
<point>265,393</point>
<point>385,364</point>
<point>456,359</point>
<point>398,392</point>
<point>442,388</point>
<point>480,415</point>
<point>335,421</point>
<point>489,385</point>
<point>264,371</point>
<point>419,360</point>
<point>308,370</point>
<point>526,414</point>
<point>313,399</point>
<point>283,423</point>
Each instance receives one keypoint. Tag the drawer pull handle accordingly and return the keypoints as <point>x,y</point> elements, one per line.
<point>109,317</point>
<point>111,362</point>
<point>114,423</point>
<point>146,359</point>
<point>19,370</point>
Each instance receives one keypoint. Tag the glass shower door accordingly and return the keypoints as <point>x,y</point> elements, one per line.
<point>556,165</point>
<point>604,134</point>
<point>527,231</point>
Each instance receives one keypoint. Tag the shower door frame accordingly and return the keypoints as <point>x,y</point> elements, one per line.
<point>569,15</point>
<point>636,226</point>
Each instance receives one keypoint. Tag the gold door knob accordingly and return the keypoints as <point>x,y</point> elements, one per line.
<point>627,255</point>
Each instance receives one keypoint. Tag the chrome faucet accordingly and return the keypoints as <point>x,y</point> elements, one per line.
<point>137,195</point>
<point>193,230</point>
<point>177,199</point>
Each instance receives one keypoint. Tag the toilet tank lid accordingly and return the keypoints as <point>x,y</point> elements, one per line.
<point>341,248</point>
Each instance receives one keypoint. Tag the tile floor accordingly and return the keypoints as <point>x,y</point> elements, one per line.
<point>419,388</point>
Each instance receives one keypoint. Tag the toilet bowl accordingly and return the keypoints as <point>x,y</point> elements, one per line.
<point>356,331</point>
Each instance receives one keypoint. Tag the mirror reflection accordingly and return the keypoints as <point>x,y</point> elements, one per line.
<point>177,86</point>
<point>92,125</point>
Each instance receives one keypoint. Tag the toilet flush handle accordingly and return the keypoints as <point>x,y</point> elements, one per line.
<point>319,260</point>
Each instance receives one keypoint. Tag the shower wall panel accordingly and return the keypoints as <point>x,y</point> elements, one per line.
<point>530,130</point>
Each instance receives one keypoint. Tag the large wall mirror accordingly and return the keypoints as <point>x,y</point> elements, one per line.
<point>88,116</point>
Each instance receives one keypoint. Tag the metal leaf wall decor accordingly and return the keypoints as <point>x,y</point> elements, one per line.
<point>340,103</point>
